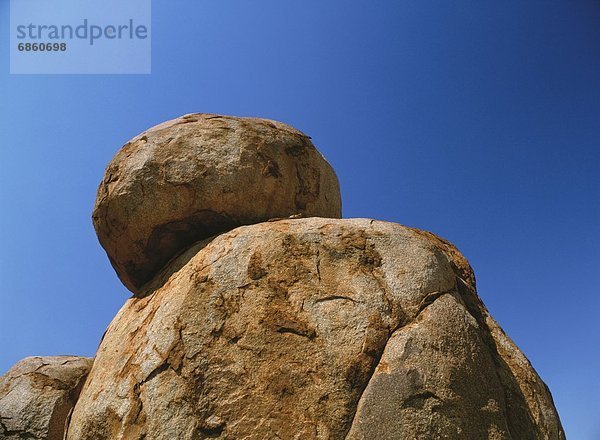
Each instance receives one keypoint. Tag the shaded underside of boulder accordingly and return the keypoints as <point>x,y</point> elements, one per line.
<point>38,394</point>
<point>200,175</point>
<point>313,328</point>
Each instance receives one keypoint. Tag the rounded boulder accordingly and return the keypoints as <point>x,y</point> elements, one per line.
<point>200,175</point>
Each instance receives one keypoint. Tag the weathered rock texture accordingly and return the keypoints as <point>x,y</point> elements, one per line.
<point>38,394</point>
<point>312,329</point>
<point>199,175</point>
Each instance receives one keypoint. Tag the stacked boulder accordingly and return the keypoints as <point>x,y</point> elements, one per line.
<point>200,175</point>
<point>259,314</point>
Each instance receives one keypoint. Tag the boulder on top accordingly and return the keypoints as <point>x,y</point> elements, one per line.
<point>203,174</point>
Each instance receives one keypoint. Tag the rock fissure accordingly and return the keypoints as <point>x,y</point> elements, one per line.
<point>429,299</point>
<point>419,399</point>
<point>360,394</point>
<point>511,389</point>
<point>334,298</point>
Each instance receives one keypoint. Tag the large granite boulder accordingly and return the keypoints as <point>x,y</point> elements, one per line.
<point>312,329</point>
<point>203,174</point>
<point>38,394</point>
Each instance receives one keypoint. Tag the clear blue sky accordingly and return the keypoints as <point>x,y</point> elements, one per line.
<point>477,120</point>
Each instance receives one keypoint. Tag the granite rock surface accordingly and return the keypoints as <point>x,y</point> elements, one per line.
<point>312,329</point>
<point>38,394</point>
<point>200,175</point>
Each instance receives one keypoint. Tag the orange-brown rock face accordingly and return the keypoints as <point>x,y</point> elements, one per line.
<point>249,322</point>
<point>200,175</point>
<point>312,329</point>
<point>258,314</point>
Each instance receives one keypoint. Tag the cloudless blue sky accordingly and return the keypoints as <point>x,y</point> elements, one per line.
<point>477,120</point>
